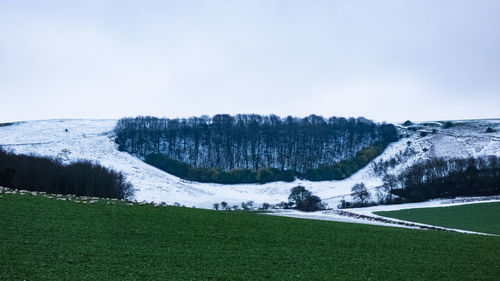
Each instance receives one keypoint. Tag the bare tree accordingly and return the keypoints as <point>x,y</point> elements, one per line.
<point>360,193</point>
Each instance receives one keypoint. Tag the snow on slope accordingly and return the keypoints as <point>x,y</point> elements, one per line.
<point>465,138</point>
<point>93,140</point>
<point>71,140</point>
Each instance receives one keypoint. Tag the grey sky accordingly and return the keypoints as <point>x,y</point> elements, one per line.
<point>385,60</point>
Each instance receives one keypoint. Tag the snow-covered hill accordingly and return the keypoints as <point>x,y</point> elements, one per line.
<point>71,140</point>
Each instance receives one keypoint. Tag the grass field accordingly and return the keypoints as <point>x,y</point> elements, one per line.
<point>481,217</point>
<point>58,240</point>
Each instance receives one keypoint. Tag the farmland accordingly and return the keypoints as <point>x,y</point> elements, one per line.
<point>484,217</point>
<point>52,239</point>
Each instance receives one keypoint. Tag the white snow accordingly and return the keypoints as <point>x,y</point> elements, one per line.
<point>435,203</point>
<point>326,216</point>
<point>71,140</point>
<point>93,140</point>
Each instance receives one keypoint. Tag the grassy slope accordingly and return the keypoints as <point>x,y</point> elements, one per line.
<point>483,217</point>
<point>48,239</point>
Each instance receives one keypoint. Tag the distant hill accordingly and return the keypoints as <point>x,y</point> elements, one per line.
<point>94,140</point>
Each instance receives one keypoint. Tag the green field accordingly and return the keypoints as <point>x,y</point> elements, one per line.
<point>480,217</point>
<point>58,240</point>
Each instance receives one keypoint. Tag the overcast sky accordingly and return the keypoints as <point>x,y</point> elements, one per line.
<point>384,60</point>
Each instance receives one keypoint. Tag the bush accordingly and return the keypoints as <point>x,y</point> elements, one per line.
<point>284,205</point>
<point>6,124</point>
<point>264,175</point>
<point>171,166</point>
<point>247,206</point>
<point>447,125</point>
<point>407,123</point>
<point>235,176</point>
<point>490,130</point>
<point>265,206</point>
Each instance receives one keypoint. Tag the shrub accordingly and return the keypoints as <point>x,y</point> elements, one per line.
<point>171,166</point>
<point>234,176</point>
<point>284,205</point>
<point>247,205</point>
<point>265,206</point>
<point>264,175</point>
<point>447,125</point>
<point>6,124</point>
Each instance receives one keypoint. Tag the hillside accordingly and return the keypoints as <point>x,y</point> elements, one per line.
<point>250,148</point>
<point>71,140</point>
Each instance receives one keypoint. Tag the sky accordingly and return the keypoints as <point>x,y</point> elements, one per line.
<point>383,60</point>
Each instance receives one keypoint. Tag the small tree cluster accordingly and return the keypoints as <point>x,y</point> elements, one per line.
<point>247,206</point>
<point>82,178</point>
<point>303,199</point>
<point>439,177</point>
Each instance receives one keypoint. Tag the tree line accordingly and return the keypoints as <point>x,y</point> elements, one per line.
<point>254,148</point>
<point>82,178</point>
<point>439,177</point>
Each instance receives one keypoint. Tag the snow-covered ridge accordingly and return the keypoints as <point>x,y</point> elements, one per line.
<point>71,140</point>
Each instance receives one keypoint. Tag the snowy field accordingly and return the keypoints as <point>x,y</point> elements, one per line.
<point>71,140</point>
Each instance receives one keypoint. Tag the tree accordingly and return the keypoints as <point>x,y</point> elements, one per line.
<point>224,205</point>
<point>359,192</point>
<point>390,183</point>
<point>216,206</point>
<point>247,205</point>
<point>299,196</point>
<point>304,200</point>
<point>265,206</point>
